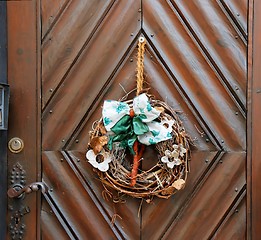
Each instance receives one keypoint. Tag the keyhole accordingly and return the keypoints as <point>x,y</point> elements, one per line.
<point>17,220</point>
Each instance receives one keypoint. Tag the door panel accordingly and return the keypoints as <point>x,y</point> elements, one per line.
<point>202,48</point>
<point>83,49</point>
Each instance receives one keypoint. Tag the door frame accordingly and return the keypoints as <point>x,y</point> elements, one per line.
<point>253,120</point>
<point>3,133</point>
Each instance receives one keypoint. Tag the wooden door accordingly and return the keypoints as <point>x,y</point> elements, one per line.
<point>66,57</point>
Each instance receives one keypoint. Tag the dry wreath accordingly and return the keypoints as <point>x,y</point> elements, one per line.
<point>127,128</point>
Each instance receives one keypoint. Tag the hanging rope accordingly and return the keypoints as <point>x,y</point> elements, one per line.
<point>140,64</point>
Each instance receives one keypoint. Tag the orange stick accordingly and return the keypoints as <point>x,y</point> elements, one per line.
<point>132,114</point>
<point>136,158</point>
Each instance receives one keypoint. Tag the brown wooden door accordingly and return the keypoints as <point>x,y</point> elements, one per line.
<point>66,57</point>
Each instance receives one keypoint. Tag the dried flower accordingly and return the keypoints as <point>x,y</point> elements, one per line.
<point>97,143</point>
<point>179,148</point>
<point>171,158</point>
<point>178,184</point>
<point>100,160</point>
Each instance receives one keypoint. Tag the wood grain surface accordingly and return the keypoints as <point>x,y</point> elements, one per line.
<point>195,60</point>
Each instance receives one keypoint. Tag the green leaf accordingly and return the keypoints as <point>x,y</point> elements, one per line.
<point>139,127</point>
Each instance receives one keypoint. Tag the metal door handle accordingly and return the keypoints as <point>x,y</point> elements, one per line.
<point>18,191</point>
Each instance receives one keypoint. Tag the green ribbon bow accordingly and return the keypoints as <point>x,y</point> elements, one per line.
<point>126,131</point>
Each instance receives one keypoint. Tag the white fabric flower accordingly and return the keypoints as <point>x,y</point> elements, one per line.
<point>171,163</point>
<point>171,158</point>
<point>100,161</point>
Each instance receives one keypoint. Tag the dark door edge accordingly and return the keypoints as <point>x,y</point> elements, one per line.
<point>3,133</point>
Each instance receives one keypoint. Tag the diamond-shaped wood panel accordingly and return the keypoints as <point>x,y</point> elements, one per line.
<point>195,60</point>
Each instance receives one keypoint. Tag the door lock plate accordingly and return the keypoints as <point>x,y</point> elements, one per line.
<point>16,145</point>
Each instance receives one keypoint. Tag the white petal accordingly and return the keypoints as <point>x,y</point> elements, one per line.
<point>182,151</point>
<point>103,167</point>
<point>94,163</point>
<point>168,153</point>
<point>177,161</point>
<point>175,146</point>
<point>107,157</point>
<point>90,155</point>
<point>165,159</point>
<point>170,164</point>
<point>175,154</point>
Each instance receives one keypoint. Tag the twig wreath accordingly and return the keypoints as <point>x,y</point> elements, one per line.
<point>127,128</point>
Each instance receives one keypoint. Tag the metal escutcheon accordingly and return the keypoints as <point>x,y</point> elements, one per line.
<point>16,145</point>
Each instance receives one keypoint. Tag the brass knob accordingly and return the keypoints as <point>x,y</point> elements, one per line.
<point>16,145</point>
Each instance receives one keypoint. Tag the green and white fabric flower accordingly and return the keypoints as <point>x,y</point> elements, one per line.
<point>142,127</point>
